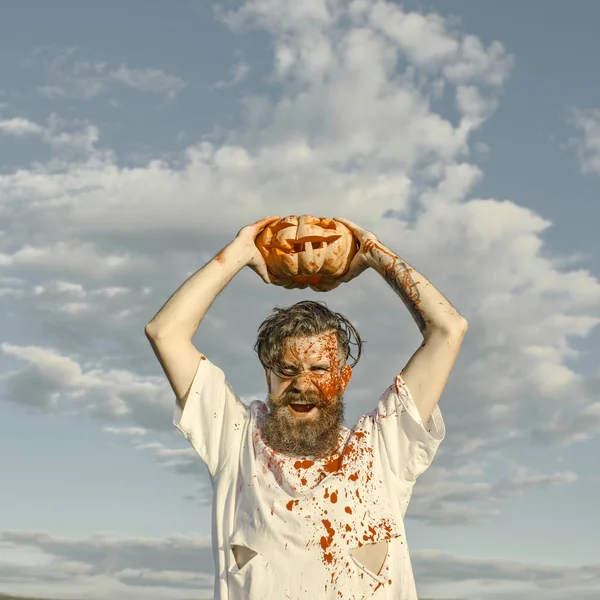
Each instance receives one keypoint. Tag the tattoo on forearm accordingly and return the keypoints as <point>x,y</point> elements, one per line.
<point>401,281</point>
<point>398,275</point>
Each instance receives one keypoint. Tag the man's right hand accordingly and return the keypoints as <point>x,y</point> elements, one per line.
<point>247,237</point>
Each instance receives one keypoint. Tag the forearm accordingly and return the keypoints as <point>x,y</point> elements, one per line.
<point>430,309</point>
<point>185,309</point>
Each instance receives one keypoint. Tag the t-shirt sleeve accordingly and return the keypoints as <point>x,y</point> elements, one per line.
<point>408,444</point>
<point>213,418</point>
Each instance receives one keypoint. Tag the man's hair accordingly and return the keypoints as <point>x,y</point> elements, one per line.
<point>303,319</point>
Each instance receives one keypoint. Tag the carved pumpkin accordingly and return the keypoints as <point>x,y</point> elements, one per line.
<point>306,250</point>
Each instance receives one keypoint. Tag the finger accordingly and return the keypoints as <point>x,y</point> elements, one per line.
<point>349,224</point>
<point>266,220</point>
<point>261,272</point>
<point>265,275</point>
<point>354,271</point>
<point>261,224</point>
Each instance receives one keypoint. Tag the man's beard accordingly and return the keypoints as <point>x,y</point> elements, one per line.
<point>311,437</point>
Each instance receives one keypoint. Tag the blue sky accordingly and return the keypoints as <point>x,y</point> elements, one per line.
<point>136,141</point>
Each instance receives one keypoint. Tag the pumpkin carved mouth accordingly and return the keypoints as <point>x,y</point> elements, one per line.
<point>294,246</point>
<point>306,249</point>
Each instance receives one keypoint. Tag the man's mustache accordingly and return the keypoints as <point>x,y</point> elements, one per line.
<point>299,398</point>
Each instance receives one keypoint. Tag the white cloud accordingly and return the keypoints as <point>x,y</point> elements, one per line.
<point>53,134</point>
<point>68,257</point>
<point>50,381</point>
<point>105,565</point>
<point>52,91</point>
<point>353,132</point>
<point>127,431</point>
<point>148,80</point>
<point>496,578</point>
<point>69,76</point>
<point>237,73</point>
<point>179,460</point>
<point>101,565</point>
<point>18,127</point>
<point>567,427</point>
<point>465,494</point>
<point>587,143</point>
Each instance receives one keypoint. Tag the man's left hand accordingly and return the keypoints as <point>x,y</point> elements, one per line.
<point>362,259</point>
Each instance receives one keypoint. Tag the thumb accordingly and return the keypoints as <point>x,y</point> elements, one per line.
<point>261,270</point>
<point>264,274</point>
<point>357,266</point>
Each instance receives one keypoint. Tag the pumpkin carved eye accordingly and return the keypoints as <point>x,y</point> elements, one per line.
<point>307,249</point>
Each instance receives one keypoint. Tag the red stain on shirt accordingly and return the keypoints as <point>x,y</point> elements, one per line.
<point>303,464</point>
<point>326,541</point>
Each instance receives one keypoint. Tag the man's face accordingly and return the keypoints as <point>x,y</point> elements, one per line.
<point>306,398</point>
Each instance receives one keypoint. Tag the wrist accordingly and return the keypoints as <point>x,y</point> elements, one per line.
<point>378,256</point>
<point>237,253</point>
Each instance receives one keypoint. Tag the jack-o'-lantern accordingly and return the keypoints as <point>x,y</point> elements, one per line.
<point>306,250</point>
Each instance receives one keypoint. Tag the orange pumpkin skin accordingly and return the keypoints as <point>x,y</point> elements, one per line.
<point>306,250</point>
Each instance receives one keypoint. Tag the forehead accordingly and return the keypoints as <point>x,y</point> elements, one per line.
<point>311,348</point>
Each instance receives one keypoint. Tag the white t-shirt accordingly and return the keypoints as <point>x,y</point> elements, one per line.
<point>303,517</point>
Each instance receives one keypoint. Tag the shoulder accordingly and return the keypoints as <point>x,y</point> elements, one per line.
<point>257,408</point>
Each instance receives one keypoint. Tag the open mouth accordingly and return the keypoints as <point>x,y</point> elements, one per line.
<point>301,410</point>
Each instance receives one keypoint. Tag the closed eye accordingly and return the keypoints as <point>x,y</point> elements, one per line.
<point>287,373</point>
<point>292,372</point>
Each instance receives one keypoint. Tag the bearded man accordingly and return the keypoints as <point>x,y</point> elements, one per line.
<point>304,507</point>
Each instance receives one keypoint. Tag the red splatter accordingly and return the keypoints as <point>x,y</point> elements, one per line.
<point>326,541</point>
<point>303,464</point>
<point>333,464</point>
<point>353,477</point>
<point>333,497</point>
<point>203,358</point>
<point>291,504</point>
<point>348,510</point>
<point>220,258</point>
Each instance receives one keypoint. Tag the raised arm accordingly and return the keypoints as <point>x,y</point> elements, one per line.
<point>442,326</point>
<point>172,329</point>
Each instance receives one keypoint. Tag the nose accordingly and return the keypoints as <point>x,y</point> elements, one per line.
<point>302,382</point>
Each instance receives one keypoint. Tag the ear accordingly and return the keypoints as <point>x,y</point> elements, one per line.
<point>346,376</point>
